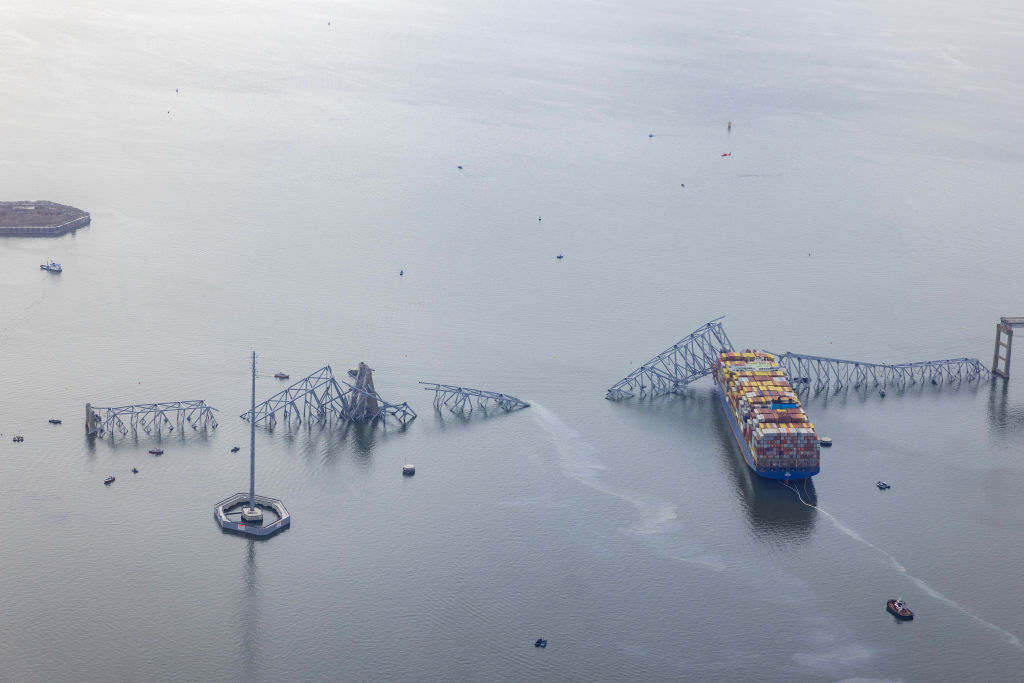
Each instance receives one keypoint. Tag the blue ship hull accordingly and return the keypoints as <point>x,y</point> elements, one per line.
<point>737,433</point>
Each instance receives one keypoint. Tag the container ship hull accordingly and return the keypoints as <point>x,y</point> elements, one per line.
<point>768,424</point>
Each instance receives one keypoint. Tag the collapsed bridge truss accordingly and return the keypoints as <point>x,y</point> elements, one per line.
<point>691,358</point>
<point>460,399</point>
<point>320,397</point>
<point>149,417</point>
<point>820,372</point>
<point>694,357</point>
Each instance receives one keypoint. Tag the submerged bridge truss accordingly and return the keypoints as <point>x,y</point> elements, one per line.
<point>690,358</point>
<point>320,397</point>
<point>149,417</point>
<point>821,373</point>
<point>460,399</point>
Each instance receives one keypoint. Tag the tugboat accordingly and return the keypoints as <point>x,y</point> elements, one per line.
<point>899,609</point>
<point>408,470</point>
<point>825,441</point>
<point>882,486</point>
<point>541,642</point>
<point>108,481</point>
<point>156,451</point>
<point>51,266</point>
<point>280,375</point>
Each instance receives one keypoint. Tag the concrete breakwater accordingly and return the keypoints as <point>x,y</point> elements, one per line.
<point>40,218</point>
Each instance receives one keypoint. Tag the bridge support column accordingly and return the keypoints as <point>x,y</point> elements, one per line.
<point>1002,329</point>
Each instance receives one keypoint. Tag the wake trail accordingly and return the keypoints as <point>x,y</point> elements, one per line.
<point>921,583</point>
<point>578,461</point>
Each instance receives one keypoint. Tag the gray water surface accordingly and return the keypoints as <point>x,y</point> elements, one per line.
<point>258,173</point>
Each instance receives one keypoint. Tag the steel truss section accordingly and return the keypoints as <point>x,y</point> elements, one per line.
<point>460,399</point>
<point>821,372</point>
<point>320,397</point>
<point>687,360</point>
<point>149,417</point>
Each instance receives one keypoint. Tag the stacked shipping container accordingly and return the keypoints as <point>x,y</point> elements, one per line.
<point>765,414</point>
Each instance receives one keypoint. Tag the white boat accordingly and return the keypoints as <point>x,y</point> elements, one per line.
<point>51,266</point>
<point>408,470</point>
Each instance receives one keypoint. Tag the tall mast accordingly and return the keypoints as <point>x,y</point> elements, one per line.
<point>252,439</point>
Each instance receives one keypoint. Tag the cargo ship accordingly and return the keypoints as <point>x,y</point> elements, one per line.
<point>771,428</point>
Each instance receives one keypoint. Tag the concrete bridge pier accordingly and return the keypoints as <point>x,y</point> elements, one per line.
<point>1004,328</point>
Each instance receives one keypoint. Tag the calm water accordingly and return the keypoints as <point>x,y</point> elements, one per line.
<point>258,173</point>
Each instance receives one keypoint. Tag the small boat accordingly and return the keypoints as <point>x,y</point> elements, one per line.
<point>18,439</point>
<point>51,266</point>
<point>882,485</point>
<point>108,481</point>
<point>541,642</point>
<point>899,609</point>
<point>235,449</point>
<point>726,154</point>
<point>408,470</point>
<point>560,257</point>
<point>135,470</point>
<point>280,375</point>
<point>156,451</point>
<point>825,441</point>
<point>54,421</point>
